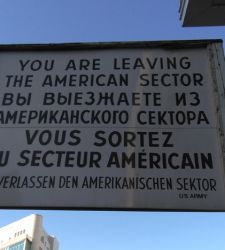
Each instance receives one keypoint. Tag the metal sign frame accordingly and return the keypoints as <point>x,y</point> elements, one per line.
<point>154,140</point>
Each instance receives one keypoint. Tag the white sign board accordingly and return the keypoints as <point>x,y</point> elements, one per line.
<point>134,128</point>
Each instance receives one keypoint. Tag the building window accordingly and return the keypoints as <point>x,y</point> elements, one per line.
<point>42,239</point>
<point>18,246</point>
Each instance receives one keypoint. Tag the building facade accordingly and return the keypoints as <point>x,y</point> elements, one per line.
<point>202,12</point>
<point>27,234</point>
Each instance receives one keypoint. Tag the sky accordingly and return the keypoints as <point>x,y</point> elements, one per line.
<point>71,21</point>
